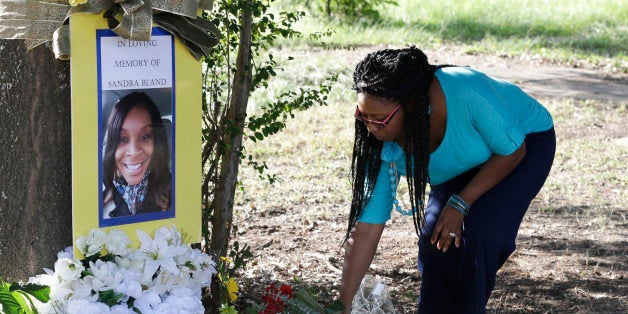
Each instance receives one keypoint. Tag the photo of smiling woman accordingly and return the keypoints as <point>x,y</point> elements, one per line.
<point>136,176</point>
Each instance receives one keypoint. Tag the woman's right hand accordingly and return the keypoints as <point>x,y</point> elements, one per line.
<point>448,229</point>
<point>359,252</point>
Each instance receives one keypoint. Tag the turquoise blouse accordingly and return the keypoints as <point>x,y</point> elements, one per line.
<point>485,116</point>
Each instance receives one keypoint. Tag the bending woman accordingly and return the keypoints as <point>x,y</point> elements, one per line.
<point>484,146</point>
<point>136,176</point>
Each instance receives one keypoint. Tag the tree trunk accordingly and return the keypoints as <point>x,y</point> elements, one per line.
<point>35,175</point>
<point>328,8</point>
<point>225,188</point>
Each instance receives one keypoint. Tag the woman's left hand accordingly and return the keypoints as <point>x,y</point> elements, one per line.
<point>449,222</point>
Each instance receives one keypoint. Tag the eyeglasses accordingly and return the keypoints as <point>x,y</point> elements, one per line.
<point>381,124</point>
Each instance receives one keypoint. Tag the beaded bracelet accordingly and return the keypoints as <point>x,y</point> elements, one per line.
<point>459,204</point>
<point>394,181</point>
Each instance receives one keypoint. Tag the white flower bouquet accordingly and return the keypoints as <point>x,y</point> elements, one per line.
<point>162,276</point>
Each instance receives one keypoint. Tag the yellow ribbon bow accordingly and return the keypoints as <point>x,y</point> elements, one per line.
<point>46,20</point>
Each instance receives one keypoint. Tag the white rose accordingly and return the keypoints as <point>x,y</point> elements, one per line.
<point>105,275</point>
<point>81,244</point>
<point>182,300</point>
<point>117,243</point>
<point>67,253</point>
<point>81,289</point>
<point>121,309</point>
<point>68,269</point>
<point>131,284</point>
<point>136,265</point>
<point>147,301</point>
<point>170,235</point>
<point>81,306</point>
<point>95,242</point>
<point>52,280</point>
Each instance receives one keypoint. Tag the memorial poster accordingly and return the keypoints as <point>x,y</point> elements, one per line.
<point>135,131</point>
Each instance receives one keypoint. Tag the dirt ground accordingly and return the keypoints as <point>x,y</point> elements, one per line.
<point>562,262</point>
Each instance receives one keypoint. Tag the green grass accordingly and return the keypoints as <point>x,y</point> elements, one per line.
<point>594,30</point>
<point>590,176</point>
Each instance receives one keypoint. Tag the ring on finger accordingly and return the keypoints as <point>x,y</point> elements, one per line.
<point>452,234</point>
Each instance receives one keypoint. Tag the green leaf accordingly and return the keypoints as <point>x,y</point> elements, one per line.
<point>334,307</point>
<point>40,292</point>
<point>110,298</point>
<point>250,310</point>
<point>21,300</point>
<point>308,299</point>
<point>9,304</point>
<point>28,298</point>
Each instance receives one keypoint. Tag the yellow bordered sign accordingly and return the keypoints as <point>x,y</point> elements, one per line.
<point>136,132</point>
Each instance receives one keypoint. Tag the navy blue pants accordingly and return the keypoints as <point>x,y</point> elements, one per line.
<point>461,279</point>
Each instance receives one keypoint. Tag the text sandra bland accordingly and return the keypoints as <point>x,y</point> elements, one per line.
<point>137,83</point>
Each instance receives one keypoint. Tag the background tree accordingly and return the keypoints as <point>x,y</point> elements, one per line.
<point>239,64</point>
<point>228,82</point>
<point>349,10</point>
<point>235,116</point>
<point>35,176</point>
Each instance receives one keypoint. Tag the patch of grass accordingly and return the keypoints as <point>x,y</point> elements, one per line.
<point>311,155</point>
<point>310,159</point>
<point>595,30</point>
<point>590,166</point>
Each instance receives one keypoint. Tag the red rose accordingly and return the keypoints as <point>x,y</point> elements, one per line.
<point>276,299</point>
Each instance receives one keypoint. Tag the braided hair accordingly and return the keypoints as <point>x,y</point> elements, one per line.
<point>403,76</point>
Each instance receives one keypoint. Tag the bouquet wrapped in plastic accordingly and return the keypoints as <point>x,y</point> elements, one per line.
<point>372,298</point>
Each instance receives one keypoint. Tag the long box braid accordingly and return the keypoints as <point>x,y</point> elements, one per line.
<point>403,76</point>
